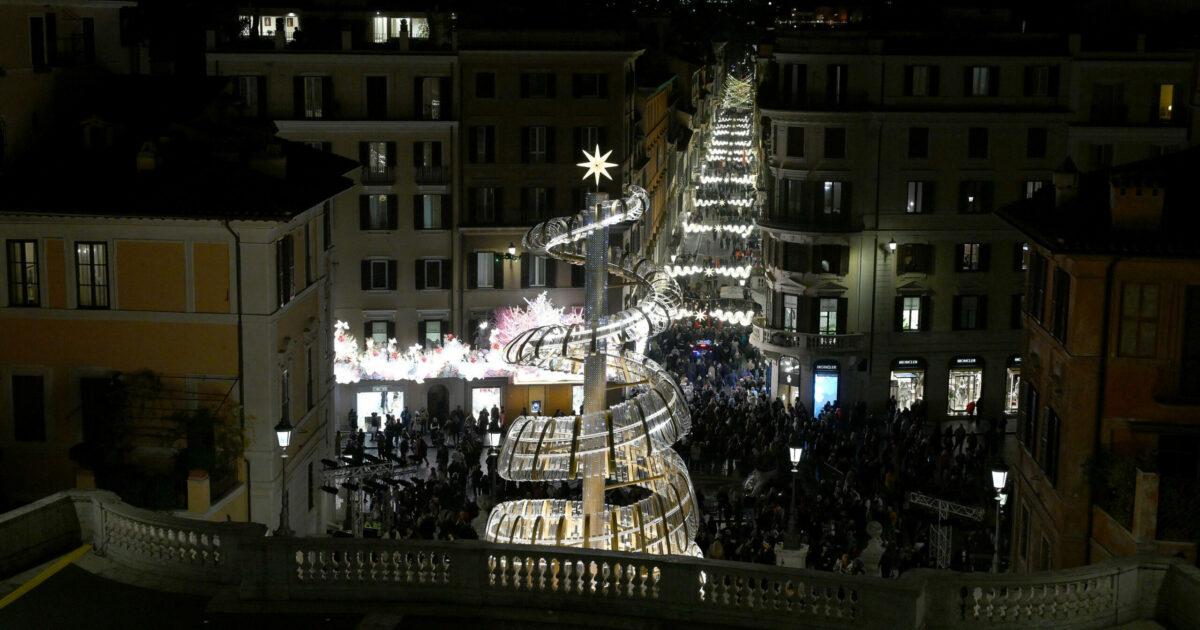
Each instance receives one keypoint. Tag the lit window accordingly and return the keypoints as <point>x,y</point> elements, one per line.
<point>828,316</point>
<point>980,81</point>
<point>377,212</point>
<point>1032,186</point>
<point>916,198</point>
<point>314,97</point>
<point>377,162</point>
<point>832,198</point>
<point>790,312</point>
<point>433,334</point>
<point>537,145</point>
<point>485,269</point>
<point>91,265</point>
<point>537,271</point>
<point>1166,98</point>
<point>971,258</point>
<point>379,332</point>
<point>431,212</point>
<point>910,315</point>
<point>1139,320</point>
<point>23,273</point>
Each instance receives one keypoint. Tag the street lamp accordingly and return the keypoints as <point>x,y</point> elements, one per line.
<point>283,433</point>
<point>795,453</point>
<point>493,444</point>
<point>511,253</point>
<point>999,478</point>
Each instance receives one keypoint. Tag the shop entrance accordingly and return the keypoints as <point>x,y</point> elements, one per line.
<point>484,398</point>
<point>965,385</point>
<point>379,404</point>
<point>825,384</point>
<point>907,382</point>
<point>789,379</point>
<point>437,402</point>
<point>1012,386</point>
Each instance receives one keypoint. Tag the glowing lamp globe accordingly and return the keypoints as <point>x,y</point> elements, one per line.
<point>999,477</point>
<point>283,433</point>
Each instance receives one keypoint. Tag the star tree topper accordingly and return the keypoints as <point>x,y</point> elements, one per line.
<point>596,165</point>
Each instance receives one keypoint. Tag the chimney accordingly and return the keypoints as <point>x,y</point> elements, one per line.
<point>1136,201</point>
<point>1066,182</point>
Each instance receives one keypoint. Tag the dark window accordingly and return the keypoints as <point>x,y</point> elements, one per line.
<point>795,142</point>
<point>914,258</point>
<point>37,43</point>
<point>971,257</point>
<point>970,312</point>
<point>310,486</point>
<point>1190,360</point>
<point>251,91</point>
<point>310,272</point>
<point>29,408</point>
<point>23,274</point>
<point>482,148</point>
<point>1048,449</point>
<point>589,85</point>
<point>920,198</point>
<point>920,80</point>
<point>377,212</point>
<point>1027,416</point>
<point>981,81</point>
<point>379,275</point>
<point>1139,320</point>
<point>918,142</point>
<point>377,98</point>
<point>327,223</point>
<point>1060,305</point>
<point>1035,142</point>
<point>310,383</point>
<point>285,268</point>
<point>835,84</point>
<point>91,267</point>
<point>793,84</point>
<point>1036,306</point>
<point>1017,307</point>
<point>831,259</point>
<point>835,142</point>
<point>977,143</point>
<point>1041,81</point>
<point>975,196</point>
<point>485,85</point>
<point>537,85</point>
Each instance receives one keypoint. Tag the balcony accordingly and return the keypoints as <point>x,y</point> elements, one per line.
<point>432,175</point>
<point>378,177</point>
<point>525,583</point>
<point>790,343</point>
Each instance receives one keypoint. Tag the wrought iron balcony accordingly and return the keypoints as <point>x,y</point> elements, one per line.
<point>378,176</point>
<point>433,175</point>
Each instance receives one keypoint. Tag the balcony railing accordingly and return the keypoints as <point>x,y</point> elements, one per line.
<point>433,175</point>
<point>378,176</point>
<point>205,557</point>
<point>787,341</point>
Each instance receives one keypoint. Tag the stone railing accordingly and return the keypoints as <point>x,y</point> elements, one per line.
<point>788,342</point>
<point>345,574</point>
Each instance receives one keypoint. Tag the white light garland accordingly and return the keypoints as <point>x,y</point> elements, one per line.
<point>733,271</point>
<point>741,230</point>
<point>730,179</point>
<point>738,318</point>
<point>740,203</point>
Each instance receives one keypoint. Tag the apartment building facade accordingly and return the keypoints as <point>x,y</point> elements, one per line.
<point>888,274</point>
<point>1107,440</point>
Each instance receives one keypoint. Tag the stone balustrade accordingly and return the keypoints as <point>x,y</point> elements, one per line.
<point>338,573</point>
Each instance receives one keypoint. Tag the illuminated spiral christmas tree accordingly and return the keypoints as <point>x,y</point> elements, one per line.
<point>628,444</point>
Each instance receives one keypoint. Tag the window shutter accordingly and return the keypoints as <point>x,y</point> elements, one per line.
<point>364,212</point>
<point>366,332</point>
<point>524,271</point>
<point>1029,80</point>
<point>525,205</point>
<point>497,272</point>
<point>551,81</point>
<point>924,258</point>
<point>327,102</point>
<point>576,141</point>
<point>986,193</point>
<point>418,99</point>
<point>898,315</point>
<point>437,153</point>
<point>418,212</point>
<point>843,308</point>
<point>1014,314</point>
<point>967,73</point>
<point>524,85</point>
<point>550,145</point>
<point>985,256</point>
<point>444,93</point>
<point>927,197</point>
<point>958,257</point>
<point>993,80</point>
<point>363,154</point>
<point>421,333</point>
<point>366,274</point>
<point>933,80</point>
<point>602,79</point>
<point>551,273</point>
<point>392,275</point>
<point>420,277</point>
<point>524,145</point>
<point>576,85</point>
<point>844,260</point>
<point>956,320</point>
<point>391,330</point>
<point>908,80</point>
<point>981,317</point>
<point>847,188</point>
<point>473,144</point>
<point>298,97</point>
<point>417,154</point>
<point>490,154</point>
<point>926,312</point>
<point>447,274</point>
<point>393,212</point>
<point>472,208</point>
<point>1053,83</point>
<point>814,315</point>
<point>473,270</point>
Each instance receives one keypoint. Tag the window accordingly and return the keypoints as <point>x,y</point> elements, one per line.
<point>1041,81</point>
<point>537,271</point>
<point>1102,156</point>
<point>427,154</point>
<point>975,196</point>
<point>1035,142</point>
<point>377,98</point>
<point>918,142</point>
<point>1060,305</point>
<point>537,85</point>
<point>536,145</point>
<point>485,85</point>
<point>1031,186</point>
<point>310,272</point>
<point>29,408</point>
<point>793,83</point>
<point>972,257</point>
<point>536,203</point>
<point>589,85</point>
<point>982,80</point>
<point>314,97</point>
<point>921,81</point>
<point>378,275</point>
<point>1020,256</point>
<point>970,312</point>
<point>1108,103</point>
<point>920,198</point>
<point>37,42</point>
<point>832,197</point>
<point>835,84</point>
<point>910,313</point>
<point>485,270</point>
<point>1027,432</point>
<point>91,269</point>
<point>831,259</point>
<point>433,333</point>
<point>380,331</point>
<point>285,395</point>
<point>587,138</point>
<point>1023,531</point>
<point>377,213</point>
<point>1048,451</point>
<point>965,385</point>
<point>795,142</point>
<point>483,145</point>
<point>428,210</point>
<point>432,270</point>
<point>434,93</point>
<point>23,274</point>
<point>790,312</point>
<point>327,223</point>
<point>379,30</point>
<point>977,143</point>
<point>793,198</point>
<point>1139,320</point>
<point>247,89</point>
<point>1166,102</point>
<point>827,318</point>
<point>1036,307</point>
<point>311,482</point>
<point>310,384</point>
<point>914,258</point>
<point>485,205</point>
<point>835,142</point>
<point>1012,390</point>
<point>1016,307</point>
<point>378,161</point>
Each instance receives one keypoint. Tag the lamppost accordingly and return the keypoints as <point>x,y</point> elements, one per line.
<point>999,478</point>
<point>283,433</point>
<point>493,444</point>
<point>795,453</point>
